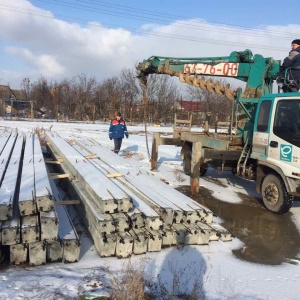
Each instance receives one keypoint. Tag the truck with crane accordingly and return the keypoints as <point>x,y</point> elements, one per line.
<point>266,144</point>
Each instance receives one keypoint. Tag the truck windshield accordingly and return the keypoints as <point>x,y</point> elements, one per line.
<point>287,121</point>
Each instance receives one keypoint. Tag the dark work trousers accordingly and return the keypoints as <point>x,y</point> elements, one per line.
<point>118,143</point>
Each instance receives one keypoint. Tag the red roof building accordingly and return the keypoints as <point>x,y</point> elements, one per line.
<point>189,106</point>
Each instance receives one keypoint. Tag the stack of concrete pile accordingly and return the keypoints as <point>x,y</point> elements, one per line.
<point>30,224</point>
<point>127,210</point>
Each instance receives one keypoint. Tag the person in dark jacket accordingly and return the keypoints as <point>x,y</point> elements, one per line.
<point>117,131</point>
<point>292,82</point>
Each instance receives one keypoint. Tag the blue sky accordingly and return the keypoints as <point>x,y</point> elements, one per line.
<point>130,13</point>
<point>63,38</point>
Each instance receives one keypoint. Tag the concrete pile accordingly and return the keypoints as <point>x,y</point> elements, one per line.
<point>126,210</point>
<point>29,220</point>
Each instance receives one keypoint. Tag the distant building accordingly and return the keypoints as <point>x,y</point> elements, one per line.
<point>189,106</point>
<point>12,104</point>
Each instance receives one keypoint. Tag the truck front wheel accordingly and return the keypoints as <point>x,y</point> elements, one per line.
<point>274,194</point>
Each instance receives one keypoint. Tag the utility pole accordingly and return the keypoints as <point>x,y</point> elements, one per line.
<point>31,109</point>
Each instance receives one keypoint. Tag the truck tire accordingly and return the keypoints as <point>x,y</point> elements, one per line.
<point>274,194</point>
<point>187,166</point>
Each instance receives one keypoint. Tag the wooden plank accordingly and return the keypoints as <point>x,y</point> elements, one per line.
<point>58,176</point>
<point>52,162</point>
<point>90,155</point>
<point>114,175</point>
<point>67,202</point>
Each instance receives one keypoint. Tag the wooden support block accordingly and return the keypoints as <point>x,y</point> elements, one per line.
<point>114,175</point>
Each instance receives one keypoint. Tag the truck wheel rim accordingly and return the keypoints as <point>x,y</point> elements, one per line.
<point>272,193</point>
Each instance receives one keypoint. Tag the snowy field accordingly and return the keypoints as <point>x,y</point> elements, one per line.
<point>222,274</point>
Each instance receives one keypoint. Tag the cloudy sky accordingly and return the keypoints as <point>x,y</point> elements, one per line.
<point>63,38</point>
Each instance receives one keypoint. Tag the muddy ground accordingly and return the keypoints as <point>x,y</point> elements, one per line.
<point>268,238</point>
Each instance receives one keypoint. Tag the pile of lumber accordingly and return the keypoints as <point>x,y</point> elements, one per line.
<point>127,210</point>
<point>31,225</point>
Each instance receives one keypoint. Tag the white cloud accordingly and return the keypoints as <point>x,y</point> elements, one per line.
<point>56,49</point>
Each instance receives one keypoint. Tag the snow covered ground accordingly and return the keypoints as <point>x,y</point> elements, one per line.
<point>223,275</point>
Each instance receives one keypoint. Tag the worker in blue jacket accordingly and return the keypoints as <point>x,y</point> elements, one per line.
<point>117,130</point>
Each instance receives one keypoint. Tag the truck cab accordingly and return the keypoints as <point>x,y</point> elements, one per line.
<point>276,147</point>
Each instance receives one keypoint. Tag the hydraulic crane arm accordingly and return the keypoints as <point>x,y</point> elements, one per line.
<point>258,72</point>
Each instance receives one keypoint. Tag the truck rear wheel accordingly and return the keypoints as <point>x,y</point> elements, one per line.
<point>274,194</point>
<point>187,166</point>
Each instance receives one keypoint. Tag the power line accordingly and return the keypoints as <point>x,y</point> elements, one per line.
<point>163,18</point>
<point>171,36</point>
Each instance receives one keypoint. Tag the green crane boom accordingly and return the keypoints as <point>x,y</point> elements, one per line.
<point>257,71</point>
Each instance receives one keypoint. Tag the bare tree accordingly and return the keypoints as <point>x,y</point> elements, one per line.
<point>214,104</point>
<point>111,94</point>
<point>26,88</point>
<point>130,91</point>
<point>162,94</point>
<point>84,96</point>
<point>41,95</point>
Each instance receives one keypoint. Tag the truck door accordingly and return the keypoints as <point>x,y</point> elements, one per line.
<point>284,141</point>
<point>261,130</point>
